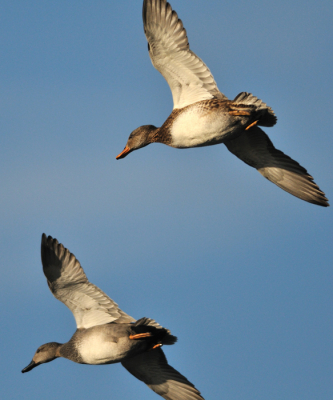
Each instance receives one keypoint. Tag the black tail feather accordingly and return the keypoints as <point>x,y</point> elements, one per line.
<point>160,334</point>
<point>266,115</point>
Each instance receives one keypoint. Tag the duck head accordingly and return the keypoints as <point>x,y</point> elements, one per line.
<point>139,138</point>
<point>45,353</point>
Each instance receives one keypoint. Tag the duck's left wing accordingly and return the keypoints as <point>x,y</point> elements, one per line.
<point>255,149</point>
<point>189,78</point>
<point>69,284</point>
<point>153,369</point>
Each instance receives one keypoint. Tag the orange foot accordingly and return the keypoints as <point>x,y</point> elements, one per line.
<point>140,335</point>
<point>156,346</point>
<point>250,126</point>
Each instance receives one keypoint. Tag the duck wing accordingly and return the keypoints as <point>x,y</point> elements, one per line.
<point>153,369</point>
<point>69,284</point>
<point>189,78</point>
<point>256,149</point>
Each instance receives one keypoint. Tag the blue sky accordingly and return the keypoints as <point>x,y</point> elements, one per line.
<point>235,267</point>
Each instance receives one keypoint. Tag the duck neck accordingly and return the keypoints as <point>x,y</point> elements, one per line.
<point>70,350</point>
<point>160,135</point>
<point>163,134</point>
<point>58,350</point>
<point>152,133</point>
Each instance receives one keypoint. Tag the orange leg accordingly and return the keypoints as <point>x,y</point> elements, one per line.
<point>250,126</point>
<point>140,335</point>
<point>156,346</point>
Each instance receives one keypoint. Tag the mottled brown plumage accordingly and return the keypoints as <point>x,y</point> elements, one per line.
<point>203,116</point>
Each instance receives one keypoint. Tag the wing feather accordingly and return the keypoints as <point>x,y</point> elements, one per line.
<point>189,78</point>
<point>153,369</point>
<point>256,149</point>
<point>69,284</point>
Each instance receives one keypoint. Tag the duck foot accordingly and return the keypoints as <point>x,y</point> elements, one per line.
<point>156,346</point>
<point>250,126</point>
<point>140,335</point>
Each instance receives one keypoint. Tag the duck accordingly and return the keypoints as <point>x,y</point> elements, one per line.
<point>203,116</point>
<point>105,334</point>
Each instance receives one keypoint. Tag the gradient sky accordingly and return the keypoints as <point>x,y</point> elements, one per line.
<point>235,267</point>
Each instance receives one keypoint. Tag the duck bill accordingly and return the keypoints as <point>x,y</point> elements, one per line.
<point>31,366</point>
<point>123,153</point>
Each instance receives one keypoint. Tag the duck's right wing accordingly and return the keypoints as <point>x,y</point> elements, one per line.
<point>69,284</point>
<point>153,369</point>
<point>189,78</point>
<point>256,149</point>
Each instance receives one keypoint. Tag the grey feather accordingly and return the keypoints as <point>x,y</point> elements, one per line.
<point>189,78</point>
<point>153,369</point>
<point>69,284</point>
<point>256,149</point>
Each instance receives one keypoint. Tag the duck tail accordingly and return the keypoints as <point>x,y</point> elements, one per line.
<point>266,115</point>
<point>160,334</point>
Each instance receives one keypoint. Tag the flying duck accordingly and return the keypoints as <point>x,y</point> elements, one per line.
<point>203,116</point>
<point>105,334</point>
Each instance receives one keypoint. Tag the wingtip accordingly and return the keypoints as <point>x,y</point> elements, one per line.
<point>318,198</point>
<point>48,241</point>
<point>44,241</point>
<point>323,202</point>
<point>51,249</point>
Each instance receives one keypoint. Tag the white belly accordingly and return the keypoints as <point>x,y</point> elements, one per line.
<point>194,128</point>
<point>95,349</point>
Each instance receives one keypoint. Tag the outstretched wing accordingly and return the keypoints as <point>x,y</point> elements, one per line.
<point>255,149</point>
<point>69,284</point>
<point>153,369</point>
<point>189,78</point>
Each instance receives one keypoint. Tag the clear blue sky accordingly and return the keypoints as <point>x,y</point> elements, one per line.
<point>236,268</point>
